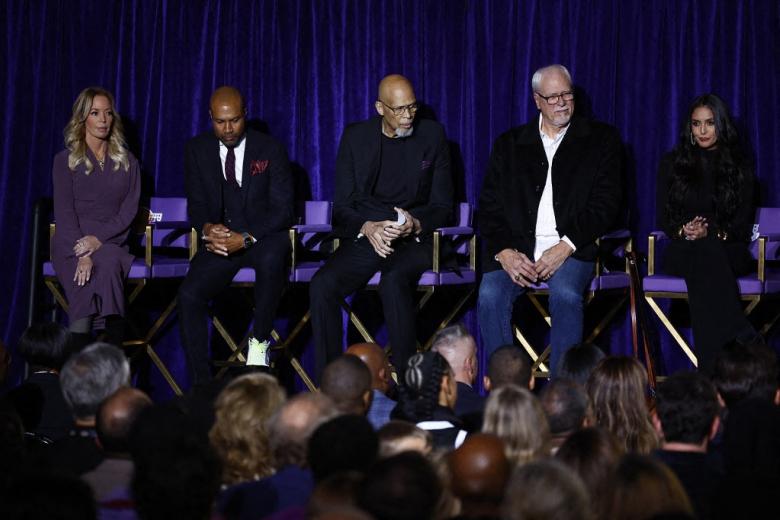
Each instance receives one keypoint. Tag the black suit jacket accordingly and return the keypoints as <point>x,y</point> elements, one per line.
<point>429,180</point>
<point>587,188</point>
<point>266,180</point>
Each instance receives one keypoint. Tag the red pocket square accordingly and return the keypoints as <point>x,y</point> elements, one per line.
<point>258,167</point>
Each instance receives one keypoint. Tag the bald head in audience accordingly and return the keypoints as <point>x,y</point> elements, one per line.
<point>508,365</point>
<point>116,416</point>
<point>480,471</point>
<point>347,381</point>
<point>457,346</point>
<point>291,426</point>
<point>375,359</point>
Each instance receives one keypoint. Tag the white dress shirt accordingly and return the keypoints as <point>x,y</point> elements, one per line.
<point>546,230</point>
<point>238,150</point>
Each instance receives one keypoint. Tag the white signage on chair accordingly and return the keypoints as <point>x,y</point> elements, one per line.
<point>155,217</point>
<point>754,236</point>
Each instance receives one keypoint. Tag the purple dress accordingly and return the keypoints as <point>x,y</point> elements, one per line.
<point>103,203</point>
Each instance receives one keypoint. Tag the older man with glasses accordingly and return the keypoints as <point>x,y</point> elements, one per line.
<point>552,187</point>
<point>393,188</point>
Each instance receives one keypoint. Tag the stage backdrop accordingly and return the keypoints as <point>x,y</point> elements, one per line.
<point>310,67</point>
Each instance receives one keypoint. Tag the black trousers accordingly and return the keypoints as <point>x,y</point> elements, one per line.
<point>350,267</point>
<point>710,268</point>
<point>209,275</point>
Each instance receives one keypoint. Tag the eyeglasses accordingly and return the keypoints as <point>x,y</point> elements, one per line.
<point>399,111</point>
<point>553,100</point>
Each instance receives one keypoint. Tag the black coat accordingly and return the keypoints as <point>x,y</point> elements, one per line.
<point>427,174</point>
<point>587,188</point>
<point>267,183</point>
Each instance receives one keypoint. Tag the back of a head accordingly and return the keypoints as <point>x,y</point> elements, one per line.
<point>91,375</point>
<point>402,487</point>
<point>347,380</point>
<point>176,470</point>
<point>566,405</point>
<point>686,404</point>
<point>290,428</point>
<point>398,436</point>
<point>643,488</point>
<point>745,371</point>
<point>419,395</point>
<point>115,418</point>
<point>579,362</point>
<point>479,470</point>
<point>516,417</point>
<point>617,389</point>
<point>345,443</point>
<point>593,454</point>
<point>545,489</point>
<point>458,348</point>
<point>44,345</point>
<point>51,496</point>
<point>508,365</point>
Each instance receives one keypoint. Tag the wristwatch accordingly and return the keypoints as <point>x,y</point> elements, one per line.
<point>248,240</point>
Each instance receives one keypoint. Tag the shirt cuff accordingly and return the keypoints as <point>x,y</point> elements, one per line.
<point>571,244</point>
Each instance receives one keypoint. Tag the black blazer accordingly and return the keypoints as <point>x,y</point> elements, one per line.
<point>587,188</point>
<point>266,181</point>
<point>429,180</point>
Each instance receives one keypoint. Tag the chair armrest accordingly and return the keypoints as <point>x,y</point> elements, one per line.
<point>455,230</point>
<point>659,235</point>
<point>770,237</point>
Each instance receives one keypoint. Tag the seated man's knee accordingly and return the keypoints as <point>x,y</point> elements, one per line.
<point>565,296</point>
<point>491,291</point>
<point>323,285</point>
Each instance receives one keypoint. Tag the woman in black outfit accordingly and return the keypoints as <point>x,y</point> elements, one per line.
<point>705,205</point>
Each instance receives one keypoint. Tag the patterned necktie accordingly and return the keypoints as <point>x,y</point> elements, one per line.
<point>230,167</point>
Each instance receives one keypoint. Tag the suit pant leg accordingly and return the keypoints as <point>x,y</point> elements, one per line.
<point>209,274</point>
<point>268,257</point>
<point>400,274</point>
<point>350,267</point>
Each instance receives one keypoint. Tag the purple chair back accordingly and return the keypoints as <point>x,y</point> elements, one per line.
<point>767,223</point>
<point>168,217</point>
<point>316,223</point>
<point>317,212</point>
<point>464,220</point>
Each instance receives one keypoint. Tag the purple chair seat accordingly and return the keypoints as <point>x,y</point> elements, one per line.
<point>616,280</point>
<point>772,281</point>
<point>465,276</point>
<point>138,269</point>
<point>673,284</point>
<point>48,269</point>
<point>305,271</point>
<point>170,267</point>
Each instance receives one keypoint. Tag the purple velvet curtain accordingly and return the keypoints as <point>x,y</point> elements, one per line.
<point>309,67</point>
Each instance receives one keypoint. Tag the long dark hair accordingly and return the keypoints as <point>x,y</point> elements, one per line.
<point>729,163</point>
<point>419,393</point>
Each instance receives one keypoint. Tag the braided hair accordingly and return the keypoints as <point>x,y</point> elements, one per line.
<point>419,393</point>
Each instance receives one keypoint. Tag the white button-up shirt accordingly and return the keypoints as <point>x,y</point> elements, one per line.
<point>546,230</point>
<point>238,150</point>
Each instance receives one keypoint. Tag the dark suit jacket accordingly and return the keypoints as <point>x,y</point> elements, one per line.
<point>266,179</point>
<point>429,180</point>
<point>587,187</point>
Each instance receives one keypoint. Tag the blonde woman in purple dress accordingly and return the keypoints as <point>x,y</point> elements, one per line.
<point>96,189</point>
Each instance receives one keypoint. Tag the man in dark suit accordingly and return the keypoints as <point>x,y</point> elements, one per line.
<point>393,188</point>
<point>240,200</point>
<point>552,188</point>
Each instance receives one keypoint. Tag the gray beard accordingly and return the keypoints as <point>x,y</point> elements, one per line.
<point>404,132</point>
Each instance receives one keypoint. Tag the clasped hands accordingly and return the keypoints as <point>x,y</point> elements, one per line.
<point>83,249</point>
<point>524,272</point>
<point>220,240</point>
<point>381,233</point>
<point>695,229</point>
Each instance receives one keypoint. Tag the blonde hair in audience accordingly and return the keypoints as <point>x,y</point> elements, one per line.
<point>240,433</point>
<point>516,416</point>
<point>75,132</point>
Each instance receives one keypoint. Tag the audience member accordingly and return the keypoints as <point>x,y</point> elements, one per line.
<point>344,443</point>
<point>643,488</point>
<point>593,454</point>
<point>479,473</point>
<point>427,398</point>
<point>44,496</point>
<point>376,360</point>
<point>402,487</point>
<point>347,381</point>
<point>508,365</point>
<point>289,431</point>
<point>567,407</point>
<point>87,378</point>
<point>12,448</point>
<point>545,489</point>
<point>746,371</point>
<point>458,347</point>
<point>5,363</point>
<point>176,470</point>
<point>115,418</point>
<point>398,436</point>
<point>686,419</point>
<point>240,433</point>
<point>336,497</point>
<point>617,390</point>
<point>578,362</point>
<point>39,399</point>
<point>516,417</point>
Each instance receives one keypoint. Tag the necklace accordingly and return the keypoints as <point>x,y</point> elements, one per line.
<point>101,162</point>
